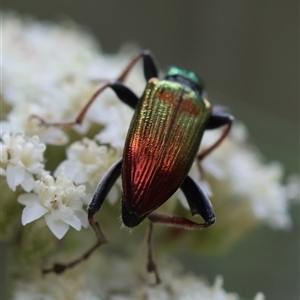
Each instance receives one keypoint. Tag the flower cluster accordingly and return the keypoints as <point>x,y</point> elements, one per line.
<point>235,176</point>
<point>51,71</point>
<point>60,201</point>
<point>86,162</point>
<point>21,159</point>
<point>123,279</point>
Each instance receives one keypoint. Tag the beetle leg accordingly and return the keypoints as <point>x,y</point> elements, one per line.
<point>218,118</point>
<point>105,186</point>
<point>124,93</point>
<point>198,203</point>
<point>59,268</point>
<point>102,190</point>
<point>149,66</point>
<point>151,266</point>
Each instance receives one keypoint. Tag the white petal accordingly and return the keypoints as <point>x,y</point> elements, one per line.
<point>58,227</point>
<point>72,221</point>
<point>28,182</point>
<point>14,175</point>
<point>32,212</point>
<point>82,216</point>
<point>83,127</point>
<point>54,136</point>
<point>72,169</point>
<point>28,199</point>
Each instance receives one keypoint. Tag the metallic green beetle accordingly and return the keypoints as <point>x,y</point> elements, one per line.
<point>161,145</point>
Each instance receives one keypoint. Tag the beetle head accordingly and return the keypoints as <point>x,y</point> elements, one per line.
<point>185,77</point>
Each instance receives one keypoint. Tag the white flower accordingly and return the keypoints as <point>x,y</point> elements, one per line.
<point>109,110</point>
<point>116,122</point>
<point>293,188</point>
<point>20,158</point>
<point>33,67</point>
<point>60,202</point>
<point>87,162</point>
<point>118,279</point>
<point>236,169</point>
<point>19,119</point>
<point>58,90</point>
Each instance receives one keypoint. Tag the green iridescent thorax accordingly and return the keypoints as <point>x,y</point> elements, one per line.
<point>189,75</point>
<point>162,142</point>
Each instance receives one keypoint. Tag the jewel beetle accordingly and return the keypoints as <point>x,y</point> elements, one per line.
<point>162,142</point>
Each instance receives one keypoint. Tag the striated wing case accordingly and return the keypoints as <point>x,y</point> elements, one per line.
<point>162,142</point>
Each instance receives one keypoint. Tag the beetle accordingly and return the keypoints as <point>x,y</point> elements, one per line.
<point>162,142</point>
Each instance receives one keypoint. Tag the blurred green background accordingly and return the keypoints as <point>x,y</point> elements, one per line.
<point>248,54</point>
